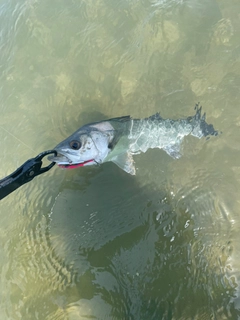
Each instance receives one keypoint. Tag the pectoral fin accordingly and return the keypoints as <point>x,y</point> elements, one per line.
<point>173,150</point>
<point>125,161</point>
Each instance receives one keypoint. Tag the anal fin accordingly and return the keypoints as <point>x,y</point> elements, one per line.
<point>173,150</point>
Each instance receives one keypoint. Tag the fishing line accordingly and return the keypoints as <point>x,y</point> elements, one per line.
<point>98,163</point>
<point>17,138</point>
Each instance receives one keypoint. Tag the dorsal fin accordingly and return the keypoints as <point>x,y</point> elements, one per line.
<point>120,119</point>
<point>155,116</point>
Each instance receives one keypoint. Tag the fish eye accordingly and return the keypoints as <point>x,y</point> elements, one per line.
<point>75,145</point>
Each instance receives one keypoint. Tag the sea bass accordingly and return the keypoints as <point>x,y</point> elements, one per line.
<point>118,139</point>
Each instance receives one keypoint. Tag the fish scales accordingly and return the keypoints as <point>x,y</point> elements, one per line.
<point>148,133</point>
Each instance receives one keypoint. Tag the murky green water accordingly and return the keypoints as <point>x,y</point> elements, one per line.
<point>96,243</point>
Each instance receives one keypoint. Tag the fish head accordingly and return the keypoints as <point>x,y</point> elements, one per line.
<point>89,145</point>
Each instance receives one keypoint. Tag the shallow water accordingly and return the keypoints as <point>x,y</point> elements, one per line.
<point>96,242</point>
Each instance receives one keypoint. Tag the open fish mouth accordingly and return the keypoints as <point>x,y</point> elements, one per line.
<point>64,162</point>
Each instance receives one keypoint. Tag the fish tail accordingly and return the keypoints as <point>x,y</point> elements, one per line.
<point>199,120</point>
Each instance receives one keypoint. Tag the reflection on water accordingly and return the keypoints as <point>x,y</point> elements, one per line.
<point>96,242</point>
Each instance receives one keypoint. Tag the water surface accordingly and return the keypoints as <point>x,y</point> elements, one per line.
<point>95,242</point>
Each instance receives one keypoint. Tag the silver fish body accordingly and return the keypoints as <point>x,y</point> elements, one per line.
<point>118,139</point>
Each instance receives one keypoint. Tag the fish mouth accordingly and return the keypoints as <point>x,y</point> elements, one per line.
<point>75,165</point>
<point>64,162</point>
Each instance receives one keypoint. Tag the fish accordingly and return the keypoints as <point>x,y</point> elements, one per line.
<point>119,139</point>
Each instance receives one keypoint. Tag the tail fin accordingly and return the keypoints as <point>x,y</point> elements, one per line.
<point>199,124</point>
